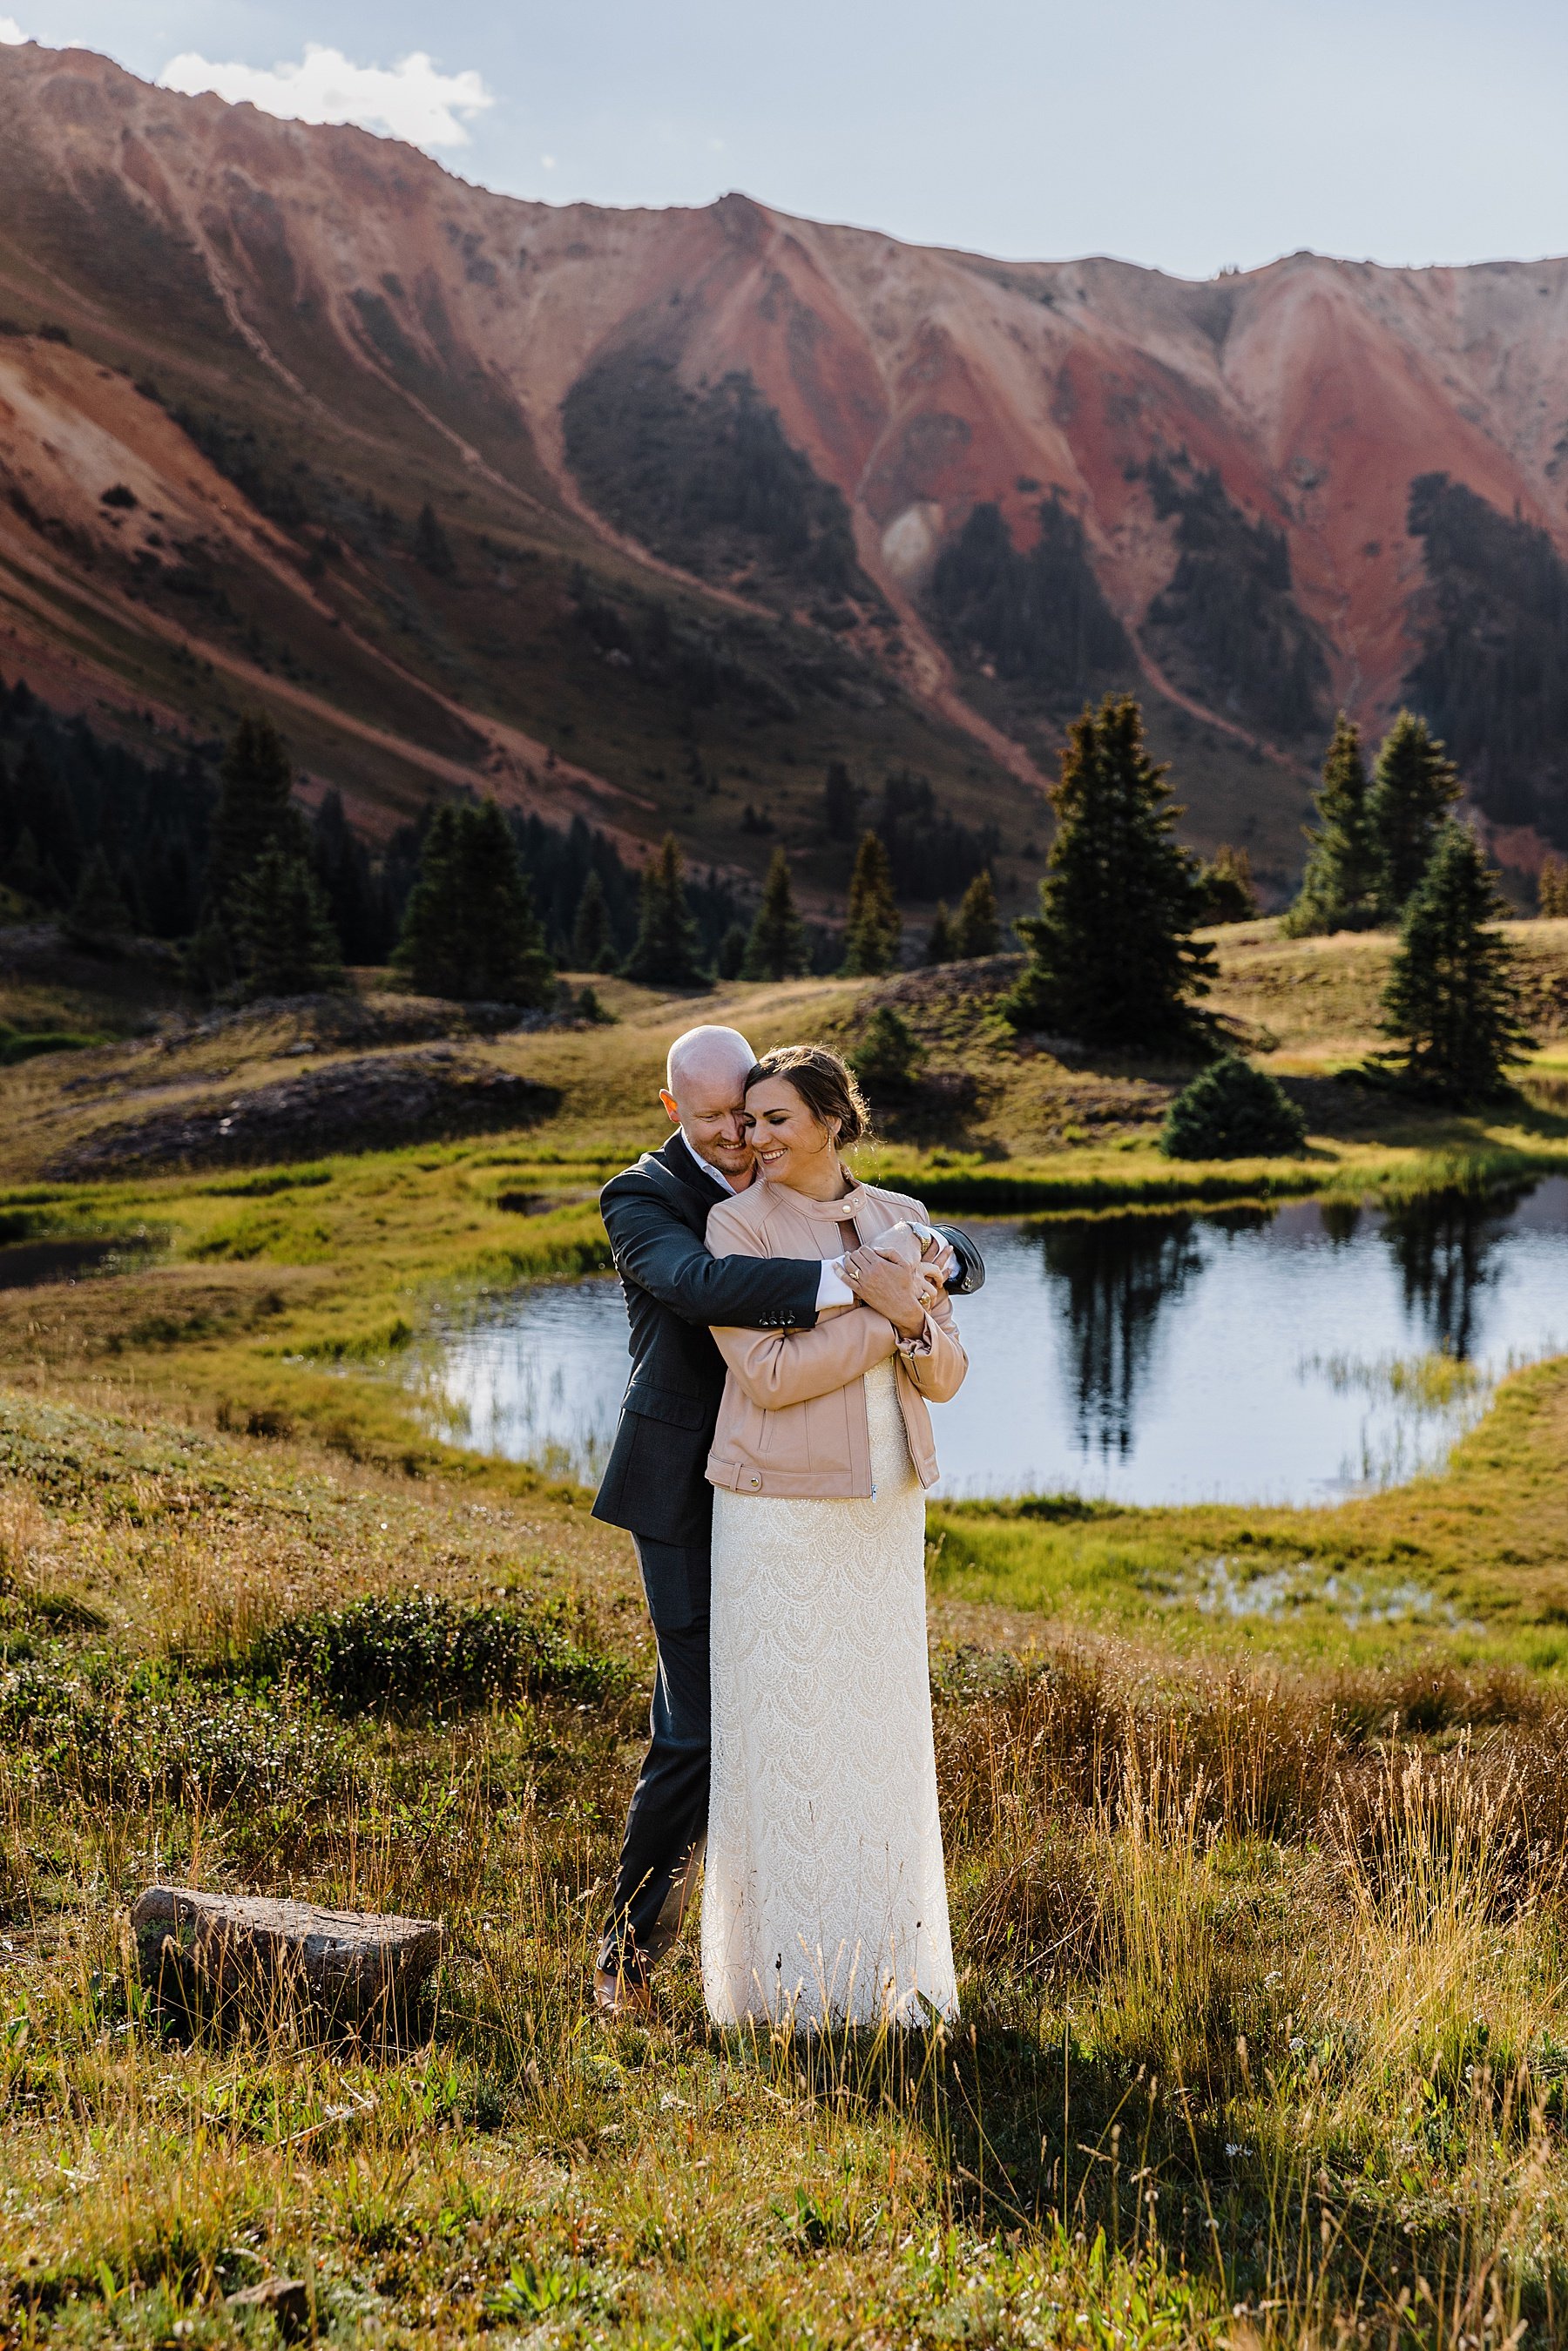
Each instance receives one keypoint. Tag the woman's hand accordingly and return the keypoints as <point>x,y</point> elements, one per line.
<point>889,1286</point>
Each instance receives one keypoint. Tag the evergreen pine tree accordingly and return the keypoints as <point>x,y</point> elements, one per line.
<point>777,948</point>
<point>1226,888</point>
<point>284,933</point>
<point>730,960</point>
<point>939,947</point>
<point>24,867</point>
<point>666,953</point>
<point>431,548</point>
<point>342,866</point>
<point>1413,789</point>
<point>98,917</point>
<point>977,929</point>
<point>887,1059</point>
<point>1551,888</point>
<point>1112,958</point>
<point>255,810</point>
<point>873,931</point>
<point>1452,1002</point>
<point>469,930</point>
<point>839,803</point>
<point>207,965</point>
<point>1340,887</point>
<point>591,947</point>
<point>46,808</point>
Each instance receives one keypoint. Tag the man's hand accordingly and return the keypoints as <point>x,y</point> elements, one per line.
<point>900,1291</point>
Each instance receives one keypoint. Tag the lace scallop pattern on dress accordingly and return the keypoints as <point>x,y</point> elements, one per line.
<point>825,1898</point>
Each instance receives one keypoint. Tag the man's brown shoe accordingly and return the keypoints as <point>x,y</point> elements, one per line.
<point>619,1996</point>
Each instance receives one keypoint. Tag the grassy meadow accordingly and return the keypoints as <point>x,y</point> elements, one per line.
<point>1261,1917</point>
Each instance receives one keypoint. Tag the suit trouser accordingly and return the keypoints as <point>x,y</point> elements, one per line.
<point>667,1821</point>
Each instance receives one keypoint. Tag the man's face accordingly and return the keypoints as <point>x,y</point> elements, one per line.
<point>709,1112</point>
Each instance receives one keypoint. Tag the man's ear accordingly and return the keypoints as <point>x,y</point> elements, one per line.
<point>671,1105</point>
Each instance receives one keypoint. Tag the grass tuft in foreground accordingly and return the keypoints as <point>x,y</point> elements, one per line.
<point>1264,2034</point>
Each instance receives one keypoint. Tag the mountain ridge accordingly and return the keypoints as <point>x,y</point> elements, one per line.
<point>1229,467</point>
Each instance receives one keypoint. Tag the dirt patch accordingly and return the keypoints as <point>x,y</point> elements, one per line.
<point>374,1101</point>
<point>972,988</point>
<point>331,1023</point>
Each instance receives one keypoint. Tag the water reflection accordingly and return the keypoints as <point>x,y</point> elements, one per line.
<point>1114,1276</point>
<point>1447,1246</point>
<point>1249,1354</point>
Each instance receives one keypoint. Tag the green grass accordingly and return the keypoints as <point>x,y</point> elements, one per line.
<point>1260,1965</point>
<point>283,1296</point>
<point>1460,1567</point>
<point>1255,1821</point>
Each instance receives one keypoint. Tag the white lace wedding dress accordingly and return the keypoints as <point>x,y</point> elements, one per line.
<point>824,1899</point>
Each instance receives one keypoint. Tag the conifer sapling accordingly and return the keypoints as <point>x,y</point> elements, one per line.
<point>888,1058</point>
<point>666,953</point>
<point>873,931</point>
<point>976,928</point>
<point>939,947</point>
<point>284,933</point>
<point>590,941</point>
<point>777,948</point>
<point>1340,887</point>
<point>98,914</point>
<point>1452,1002</point>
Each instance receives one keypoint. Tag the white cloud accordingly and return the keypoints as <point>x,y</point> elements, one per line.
<point>410,100</point>
<point>10,32</point>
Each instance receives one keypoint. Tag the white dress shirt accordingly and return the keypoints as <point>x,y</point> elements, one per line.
<point>833,1290</point>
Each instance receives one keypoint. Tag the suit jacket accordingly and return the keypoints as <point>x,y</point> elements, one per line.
<point>657,1214</point>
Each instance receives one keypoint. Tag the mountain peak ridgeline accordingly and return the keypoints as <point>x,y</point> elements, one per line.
<point>654,514</point>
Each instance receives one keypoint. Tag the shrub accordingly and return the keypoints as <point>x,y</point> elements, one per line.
<point>888,1058</point>
<point>104,1742</point>
<point>1232,1111</point>
<point>416,1650</point>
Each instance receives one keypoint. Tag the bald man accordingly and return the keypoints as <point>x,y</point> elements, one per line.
<point>655,1484</point>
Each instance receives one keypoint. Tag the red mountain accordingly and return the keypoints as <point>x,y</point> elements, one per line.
<point>716,497</point>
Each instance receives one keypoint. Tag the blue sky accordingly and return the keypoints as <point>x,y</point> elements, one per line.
<point>1188,134</point>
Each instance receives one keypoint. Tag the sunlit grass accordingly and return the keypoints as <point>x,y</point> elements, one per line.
<point>1263,2002</point>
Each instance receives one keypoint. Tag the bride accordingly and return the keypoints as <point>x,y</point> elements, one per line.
<point>824,1899</point>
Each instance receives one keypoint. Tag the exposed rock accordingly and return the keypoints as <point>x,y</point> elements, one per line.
<point>288,2299</point>
<point>197,1949</point>
<point>374,1102</point>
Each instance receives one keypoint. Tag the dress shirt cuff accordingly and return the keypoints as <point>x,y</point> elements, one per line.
<point>833,1290</point>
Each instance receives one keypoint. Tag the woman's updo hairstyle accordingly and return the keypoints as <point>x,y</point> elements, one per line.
<point>823,1083</point>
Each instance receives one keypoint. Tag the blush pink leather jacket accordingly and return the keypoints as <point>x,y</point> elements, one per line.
<point>792,1421</point>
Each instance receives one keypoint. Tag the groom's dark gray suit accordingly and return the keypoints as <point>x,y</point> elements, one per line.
<point>655,1485</point>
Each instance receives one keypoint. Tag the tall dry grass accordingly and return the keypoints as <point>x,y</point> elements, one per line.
<point>1263,2038</point>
